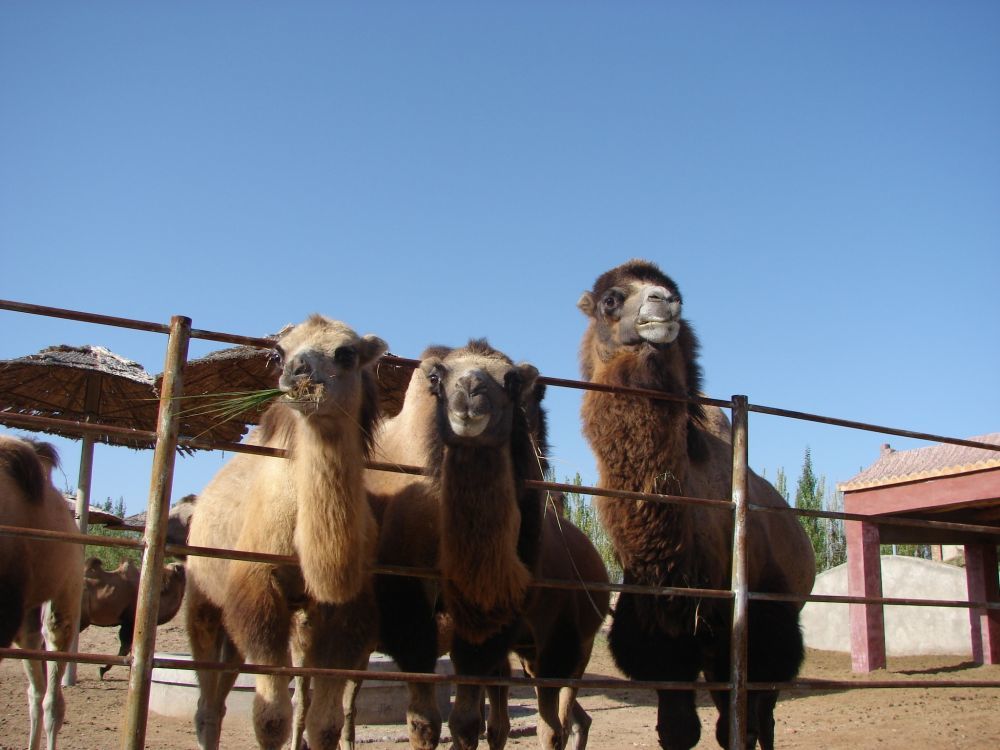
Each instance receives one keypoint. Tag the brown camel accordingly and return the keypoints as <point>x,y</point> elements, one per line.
<point>110,596</point>
<point>637,337</point>
<point>312,505</point>
<point>35,573</point>
<point>474,418</point>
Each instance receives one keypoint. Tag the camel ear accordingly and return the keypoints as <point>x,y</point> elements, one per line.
<point>370,349</point>
<point>586,304</point>
<point>522,379</point>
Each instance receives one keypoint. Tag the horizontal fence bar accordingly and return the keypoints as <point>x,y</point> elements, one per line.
<point>586,683</point>
<point>83,317</point>
<point>544,583</point>
<point>836,422</point>
<point>27,654</point>
<point>919,523</point>
<point>888,601</point>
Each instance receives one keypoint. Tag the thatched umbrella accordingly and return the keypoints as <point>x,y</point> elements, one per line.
<point>213,384</point>
<point>84,384</point>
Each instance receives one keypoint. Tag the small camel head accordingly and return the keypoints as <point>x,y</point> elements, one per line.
<point>633,305</point>
<point>321,365</point>
<point>478,389</point>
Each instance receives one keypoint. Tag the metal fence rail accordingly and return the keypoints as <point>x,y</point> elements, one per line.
<point>142,660</point>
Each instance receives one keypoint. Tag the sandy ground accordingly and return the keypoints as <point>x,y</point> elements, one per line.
<point>903,718</point>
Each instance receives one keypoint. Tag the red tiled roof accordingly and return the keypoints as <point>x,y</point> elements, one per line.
<point>896,467</point>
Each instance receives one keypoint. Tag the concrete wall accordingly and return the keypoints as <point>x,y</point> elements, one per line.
<point>908,630</point>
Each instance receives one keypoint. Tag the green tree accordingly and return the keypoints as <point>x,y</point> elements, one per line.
<point>580,510</point>
<point>809,496</point>
<point>781,484</point>
<point>111,557</point>
<point>835,541</point>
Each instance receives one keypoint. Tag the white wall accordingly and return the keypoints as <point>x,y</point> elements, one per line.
<point>908,630</point>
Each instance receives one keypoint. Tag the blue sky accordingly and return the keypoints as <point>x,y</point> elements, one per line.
<point>822,180</point>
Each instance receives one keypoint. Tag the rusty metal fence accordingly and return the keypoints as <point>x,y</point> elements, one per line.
<point>154,548</point>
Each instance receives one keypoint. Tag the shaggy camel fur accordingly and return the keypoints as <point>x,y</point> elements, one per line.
<point>312,505</point>
<point>110,596</point>
<point>637,337</point>
<point>36,573</point>
<point>475,419</point>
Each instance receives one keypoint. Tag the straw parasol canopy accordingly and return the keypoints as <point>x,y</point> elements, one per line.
<point>81,383</point>
<point>393,380</point>
<point>213,384</point>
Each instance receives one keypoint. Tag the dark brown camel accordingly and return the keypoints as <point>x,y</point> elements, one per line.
<point>37,573</point>
<point>110,596</point>
<point>483,436</point>
<point>637,337</point>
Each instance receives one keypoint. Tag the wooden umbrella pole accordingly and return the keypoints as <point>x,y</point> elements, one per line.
<point>82,520</point>
<point>140,678</point>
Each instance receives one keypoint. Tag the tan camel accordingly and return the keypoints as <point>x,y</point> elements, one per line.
<point>40,581</point>
<point>637,337</point>
<point>474,418</point>
<point>110,596</point>
<point>312,505</point>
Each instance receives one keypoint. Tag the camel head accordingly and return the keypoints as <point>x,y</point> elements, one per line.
<point>479,393</point>
<point>631,306</point>
<point>325,367</point>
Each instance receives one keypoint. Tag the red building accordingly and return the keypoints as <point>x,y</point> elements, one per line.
<point>943,482</point>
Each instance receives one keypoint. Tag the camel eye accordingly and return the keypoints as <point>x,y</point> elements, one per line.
<point>610,302</point>
<point>278,354</point>
<point>345,356</point>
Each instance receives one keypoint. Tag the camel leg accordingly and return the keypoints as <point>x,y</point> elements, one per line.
<point>351,690</point>
<point>578,720</point>
<point>487,658</point>
<point>574,719</point>
<point>303,685</point>
<point>765,718</point>
<point>340,637</point>
<point>645,655</point>
<point>549,727</point>
<point>258,619</point>
<point>60,618</point>
<point>210,642</point>
<point>30,637</point>
<point>11,604</point>
<point>125,637</point>
<point>498,725</point>
<point>408,633</point>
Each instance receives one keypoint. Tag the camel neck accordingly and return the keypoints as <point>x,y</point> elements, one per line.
<point>334,526</point>
<point>485,580</point>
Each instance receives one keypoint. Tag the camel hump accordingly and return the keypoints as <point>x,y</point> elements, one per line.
<point>21,462</point>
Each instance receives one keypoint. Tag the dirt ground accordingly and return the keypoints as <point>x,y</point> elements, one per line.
<point>898,718</point>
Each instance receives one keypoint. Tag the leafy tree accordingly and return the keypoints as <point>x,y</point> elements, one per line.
<point>923,551</point>
<point>781,484</point>
<point>835,540</point>
<point>809,496</point>
<point>580,510</point>
<point>111,557</point>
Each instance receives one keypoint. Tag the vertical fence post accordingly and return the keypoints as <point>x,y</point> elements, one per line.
<point>738,642</point>
<point>137,706</point>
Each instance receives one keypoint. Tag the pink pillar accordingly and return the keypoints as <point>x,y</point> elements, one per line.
<point>864,578</point>
<point>983,584</point>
